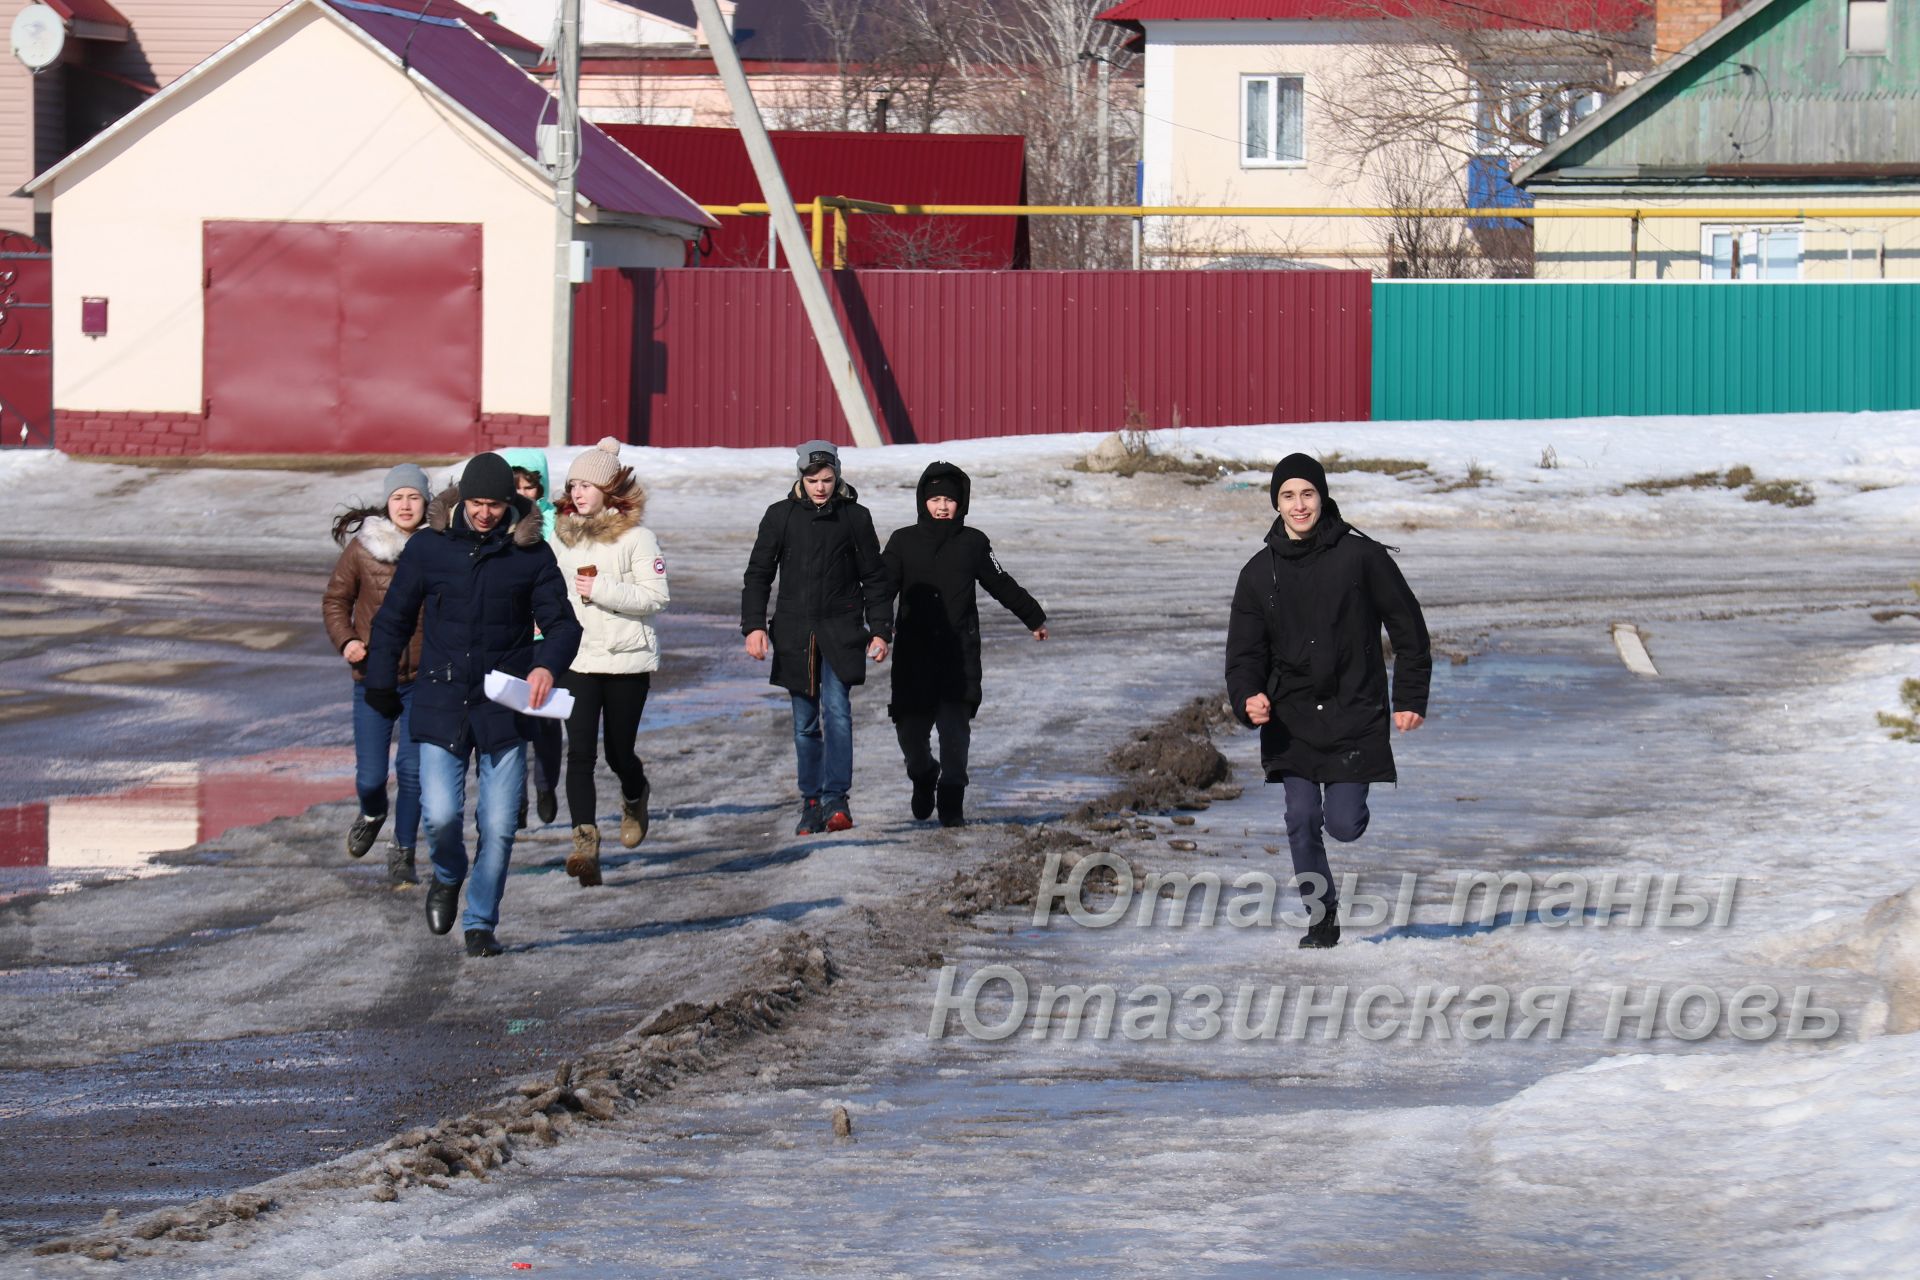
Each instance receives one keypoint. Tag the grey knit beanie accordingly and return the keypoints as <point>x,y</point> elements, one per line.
<point>407,476</point>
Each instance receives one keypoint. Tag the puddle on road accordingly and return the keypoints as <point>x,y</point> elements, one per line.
<point>56,845</point>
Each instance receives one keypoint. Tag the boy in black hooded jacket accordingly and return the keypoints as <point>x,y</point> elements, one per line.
<point>934,564</point>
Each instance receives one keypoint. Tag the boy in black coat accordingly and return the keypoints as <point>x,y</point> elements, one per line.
<point>832,614</point>
<point>1304,666</point>
<point>935,563</point>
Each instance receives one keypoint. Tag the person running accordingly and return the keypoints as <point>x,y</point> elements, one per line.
<point>486,579</point>
<point>619,580</point>
<point>1304,665</point>
<point>934,565</point>
<point>372,539</point>
<point>543,735</point>
<point>834,607</point>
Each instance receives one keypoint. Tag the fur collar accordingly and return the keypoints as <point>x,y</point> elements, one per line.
<point>526,524</point>
<point>382,539</point>
<point>606,525</point>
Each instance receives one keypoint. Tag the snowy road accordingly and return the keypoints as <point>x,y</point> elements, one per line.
<point>1346,1156</point>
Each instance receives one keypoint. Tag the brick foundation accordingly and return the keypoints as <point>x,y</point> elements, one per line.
<point>510,430</point>
<point>142,433</point>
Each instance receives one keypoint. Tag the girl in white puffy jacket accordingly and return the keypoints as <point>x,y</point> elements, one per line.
<point>617,580</point>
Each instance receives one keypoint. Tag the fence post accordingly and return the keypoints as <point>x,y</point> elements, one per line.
<point>1633,247</point>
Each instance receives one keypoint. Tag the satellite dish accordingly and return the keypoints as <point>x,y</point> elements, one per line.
<point>38,36</point>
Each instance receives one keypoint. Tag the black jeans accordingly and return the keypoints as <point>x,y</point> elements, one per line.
<point>1339,809</point>
<point>915,731</point>
<point>618,700</point>
<point>544,737</point>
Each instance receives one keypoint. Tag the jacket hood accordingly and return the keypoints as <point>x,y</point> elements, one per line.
<point>937,471</point>
<point>445,511</point>
<point>534,460</point>
<point>605,525</point>
<point>382,539</point>
<point>844,492</point>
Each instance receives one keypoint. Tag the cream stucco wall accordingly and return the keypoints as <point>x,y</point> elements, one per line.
<point>1600,248</point>
<point>1193,153</point>
<point>304,124</point>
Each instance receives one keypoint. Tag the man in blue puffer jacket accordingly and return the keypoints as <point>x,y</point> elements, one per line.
<point>486,577</point>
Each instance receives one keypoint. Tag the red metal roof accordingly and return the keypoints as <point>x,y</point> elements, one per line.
<point>893,168</point>
<point>89,11</point>
<point>500,95</point>
<point>1579,15</point>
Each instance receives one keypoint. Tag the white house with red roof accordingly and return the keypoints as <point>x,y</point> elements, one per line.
<point>1254,103</point>
<point>334,235</point>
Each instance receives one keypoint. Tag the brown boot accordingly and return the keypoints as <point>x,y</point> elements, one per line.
<point>633,818</point>
<point>583,864</point>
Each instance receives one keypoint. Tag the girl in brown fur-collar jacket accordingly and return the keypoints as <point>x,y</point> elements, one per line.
<point>354,594</point>
<point>618,580</point>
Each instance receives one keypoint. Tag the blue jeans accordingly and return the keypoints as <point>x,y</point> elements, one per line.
<point>1339,809</point>
<point>443,795</point>
<point>373,733</point>
<point>823,739</point>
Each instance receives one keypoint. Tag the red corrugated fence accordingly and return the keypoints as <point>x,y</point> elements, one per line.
<point>724,357</point>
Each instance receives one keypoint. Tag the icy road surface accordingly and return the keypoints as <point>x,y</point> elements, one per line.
<point>1753,754</point>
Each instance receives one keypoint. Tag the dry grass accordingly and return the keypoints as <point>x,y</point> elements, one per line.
<point>1781,493</point>
<point>1732,478</point>
<point>1476,476</point>
<point>1338,462</point>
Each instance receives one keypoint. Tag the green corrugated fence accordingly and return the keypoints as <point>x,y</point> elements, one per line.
<point>1552,349</point>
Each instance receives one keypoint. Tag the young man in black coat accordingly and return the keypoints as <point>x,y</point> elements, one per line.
<point>484,576</point>
<point>1304,665</point>
<point>831,616</point>
<point>935,563</point>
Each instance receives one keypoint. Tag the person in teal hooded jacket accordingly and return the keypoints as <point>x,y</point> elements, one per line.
<point>530,479</point>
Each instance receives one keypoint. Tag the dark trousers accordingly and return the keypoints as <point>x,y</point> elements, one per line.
<point>1337,808</point>
<point>915,731</point>
<point>545,739</point>
<point>617,700</point>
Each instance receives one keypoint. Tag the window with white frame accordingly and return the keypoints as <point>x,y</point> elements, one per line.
<point>1867,26</point>
<point>1516,114</point>
<point>1769,252</point>
<point>1273,120</point>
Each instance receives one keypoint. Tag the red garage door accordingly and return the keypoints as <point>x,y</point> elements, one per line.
<point>342,337</point>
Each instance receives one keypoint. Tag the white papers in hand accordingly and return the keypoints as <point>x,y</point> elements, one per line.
<point>512,691</point>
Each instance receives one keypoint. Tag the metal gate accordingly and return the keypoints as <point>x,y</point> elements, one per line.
<point>26,343</point>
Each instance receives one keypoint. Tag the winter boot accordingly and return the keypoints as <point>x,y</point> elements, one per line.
<point>443,904</point>
<point>813,819</point>
<point>633,817</point>
<point>400,868</point>
<point>922,802</point>
<point>547,805</point>
<point>362,834</point>
<point>839,814</point>
<point>583,864</point>
<point>952,800</point>
<point>1324,932</point>
<point>481,942</point>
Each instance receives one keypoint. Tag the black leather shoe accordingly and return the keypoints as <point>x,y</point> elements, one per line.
<point>547,805</point>
<point>443,905</point>
<point>1324,932</point>
<point>952,803</point>
<point>481,942</point>
<point>922,802</point>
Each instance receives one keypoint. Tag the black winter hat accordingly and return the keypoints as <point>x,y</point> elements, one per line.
<point>1295,466</point>
<point>487,476</point>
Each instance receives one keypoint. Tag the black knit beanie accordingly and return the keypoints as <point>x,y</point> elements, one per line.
<point>487,476</point>
<point>1295,466</point>
<point>943,486</point>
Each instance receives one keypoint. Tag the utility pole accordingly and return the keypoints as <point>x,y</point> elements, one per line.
<point>565,157</point>
<point>786,226</point>
<point>1105,159</point>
